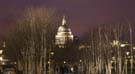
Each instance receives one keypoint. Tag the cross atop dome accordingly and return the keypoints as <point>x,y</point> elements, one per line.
<point>63,20</point>
<point>4,44</point>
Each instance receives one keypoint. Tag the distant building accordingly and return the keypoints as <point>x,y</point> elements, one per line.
<point>7,64</point>
<point>64,35</point>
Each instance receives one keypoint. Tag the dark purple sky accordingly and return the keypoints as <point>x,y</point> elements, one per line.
<point>81,14</point>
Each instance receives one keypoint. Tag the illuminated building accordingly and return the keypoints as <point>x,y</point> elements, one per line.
<point>66,48</point>
<point>64,35</point>
<point>6,63</point>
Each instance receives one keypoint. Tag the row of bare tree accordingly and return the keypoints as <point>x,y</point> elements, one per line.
<point>105,54</point>
<point>33,39</point>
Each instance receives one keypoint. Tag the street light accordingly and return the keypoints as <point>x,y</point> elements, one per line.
<point>52,53</point>
<point>133,47</point>
<point>1,51</point>
<point>72,69</point>
<point>1,58</point>
<point>127,53</point>
<point>80,61</point>
<point>126,61</point>
<point>122,45</point>
<point>49,62</point>
<point>65,62</point>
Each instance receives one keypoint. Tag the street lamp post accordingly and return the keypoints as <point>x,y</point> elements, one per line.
<point>126,60</point>
<point>1,58</point>
<point>49,62</point>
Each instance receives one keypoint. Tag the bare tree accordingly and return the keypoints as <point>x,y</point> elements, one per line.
<point>32,37</point>
<point>105,54</point>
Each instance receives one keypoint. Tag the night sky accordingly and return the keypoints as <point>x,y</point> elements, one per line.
<point>81,14</point>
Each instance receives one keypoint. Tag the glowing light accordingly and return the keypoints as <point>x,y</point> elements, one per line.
<point>14,62</point>
<point>65,62</point>
<point>127,53</point>
<point>49,62</point>
<point>80,60</point>
<point>72,69</point>
<point>113,58</point>
<point>1,51</point>
<point>122,45</point>
<point>134,48</point>
<point>111,61</point>
<point>1,58</point>
<point>3,63</point>
<point>52,53</point>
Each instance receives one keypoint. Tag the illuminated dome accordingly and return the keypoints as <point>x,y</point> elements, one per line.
<point>64,34</point>
<point>64,28</point>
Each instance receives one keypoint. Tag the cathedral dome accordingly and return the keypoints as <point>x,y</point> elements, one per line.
<point>64,28</point>
<point>64,34</point>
